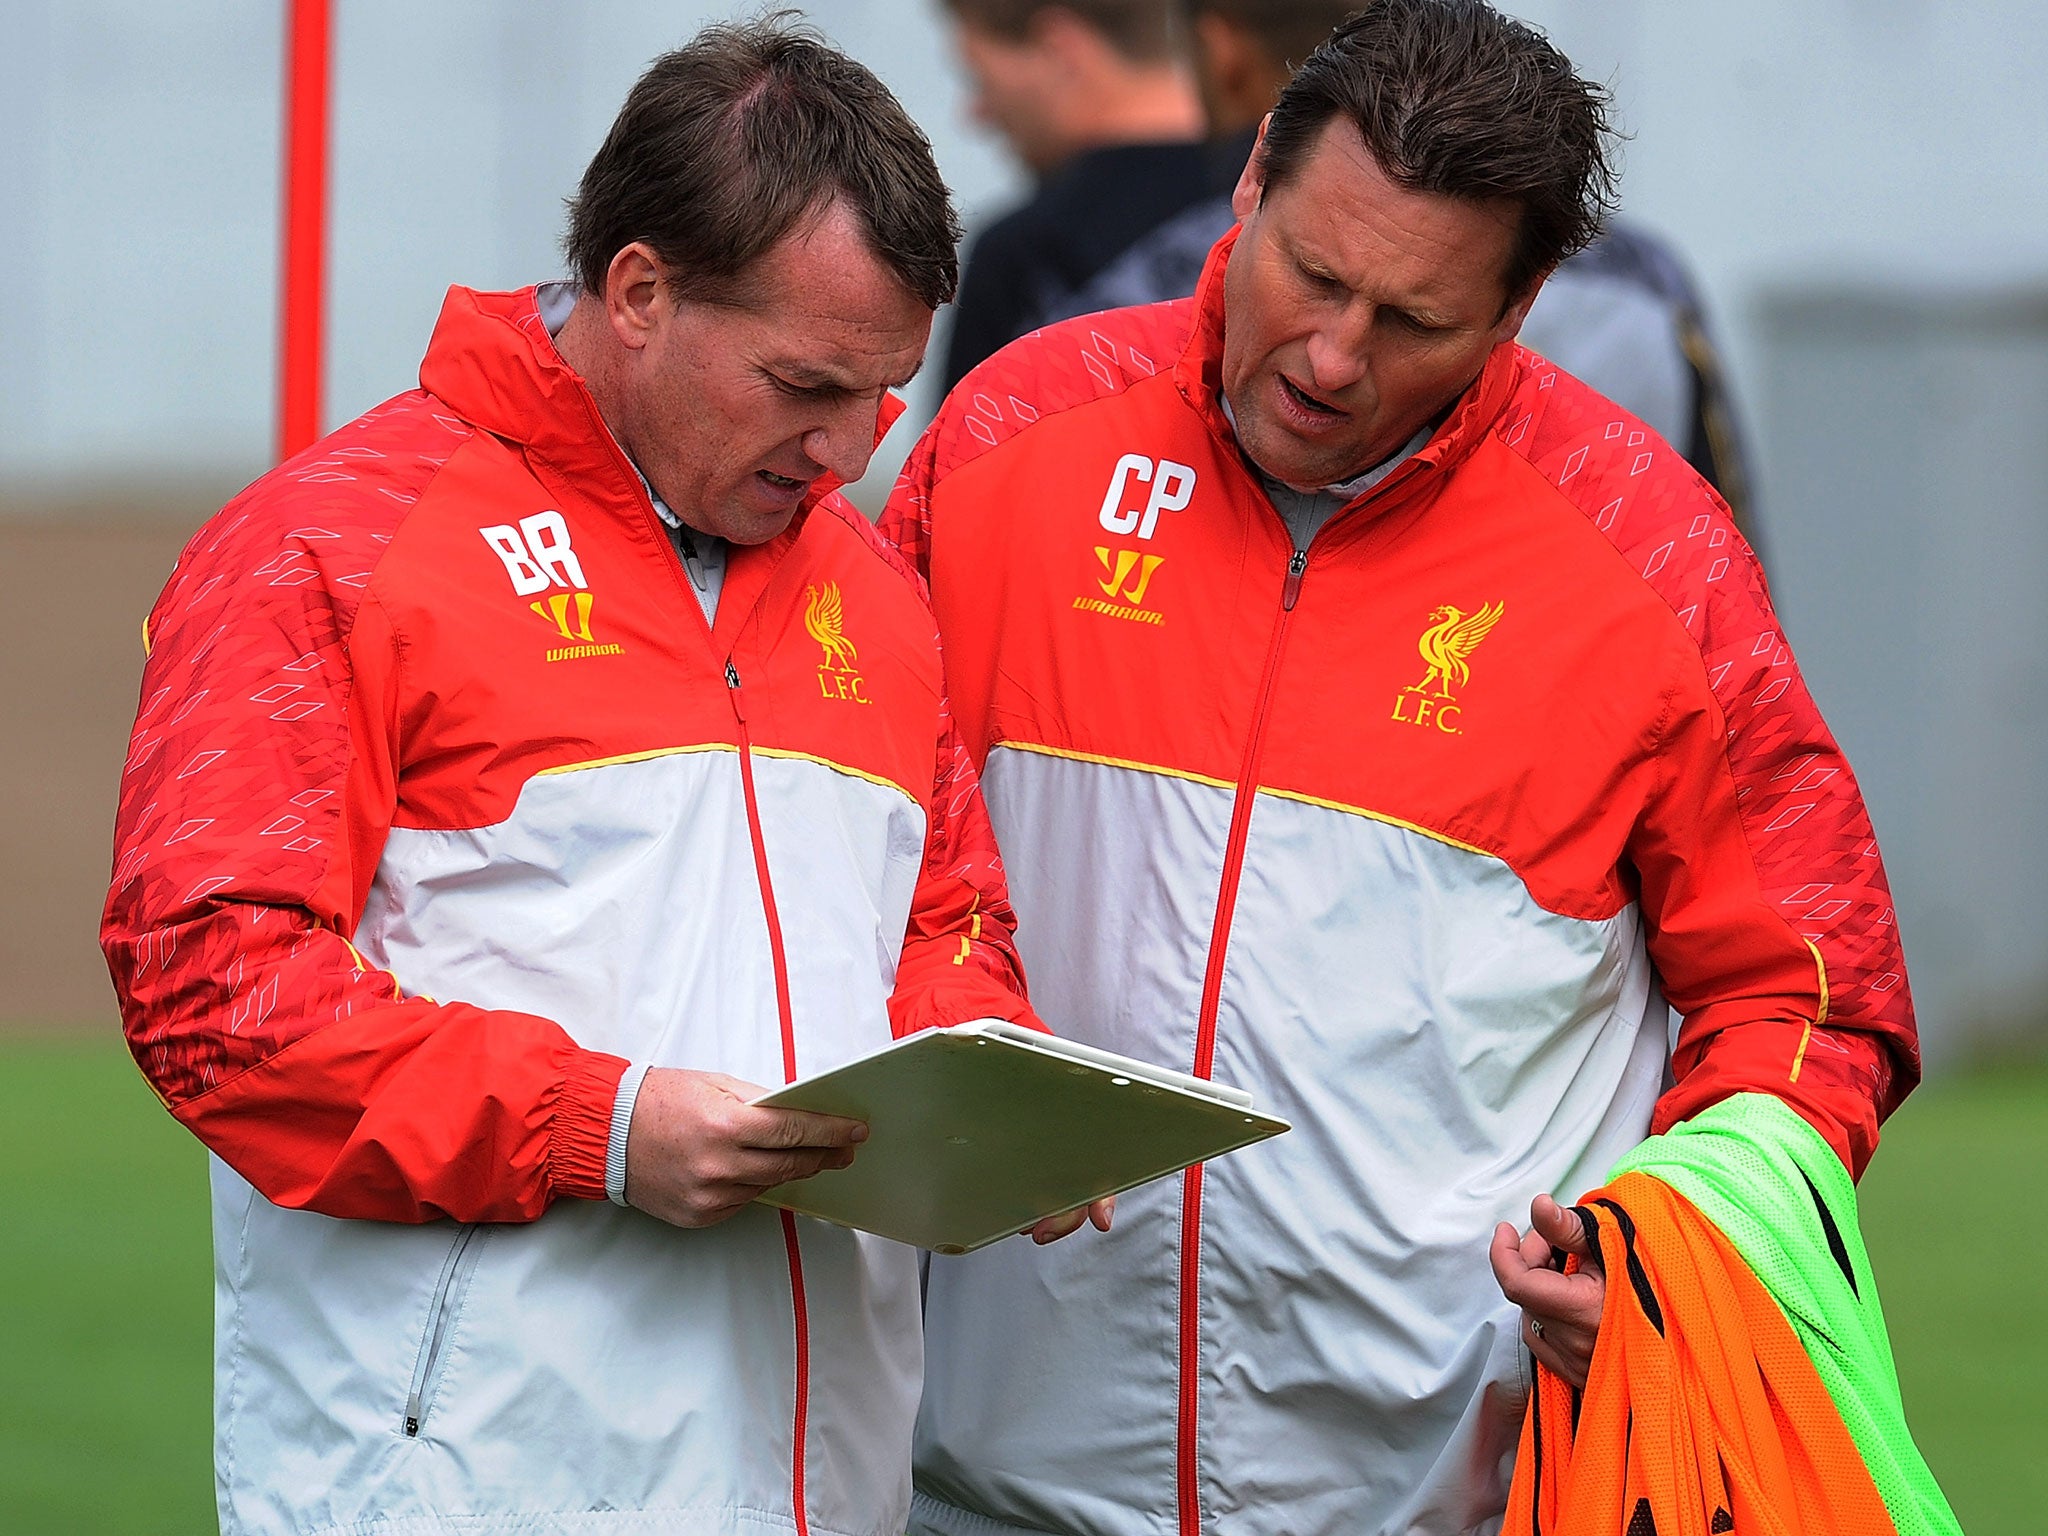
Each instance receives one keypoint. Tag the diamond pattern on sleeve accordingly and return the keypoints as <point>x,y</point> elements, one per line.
<point>235,871</point>
<point>1808,831</point>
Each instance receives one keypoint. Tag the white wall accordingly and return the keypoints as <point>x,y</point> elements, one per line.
<point>1909,554</point>
<point>1783,142</point>
<point>139,197</point>
<point>139,178</point>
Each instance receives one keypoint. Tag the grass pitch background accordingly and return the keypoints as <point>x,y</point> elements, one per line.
<point>106,1294</point>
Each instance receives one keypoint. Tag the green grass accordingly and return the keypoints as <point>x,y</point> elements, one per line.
<point>1952,1212</point>
<point>106,1285</point>
<point>105,1294</point>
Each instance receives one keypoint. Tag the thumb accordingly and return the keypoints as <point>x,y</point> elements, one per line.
<point>1563,1229</point>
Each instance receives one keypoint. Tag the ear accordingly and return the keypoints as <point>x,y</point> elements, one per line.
<point>636,296</point>
<point>1251,181</point>
<point>1518,309</point>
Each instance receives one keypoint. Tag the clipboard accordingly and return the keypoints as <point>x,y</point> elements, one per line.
<point>979,1131</point>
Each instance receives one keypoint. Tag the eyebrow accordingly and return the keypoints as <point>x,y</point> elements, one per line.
<point>807,376</point>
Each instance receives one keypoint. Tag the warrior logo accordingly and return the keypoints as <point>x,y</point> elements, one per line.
<point>1131,574</point>
<point>1447,647</point>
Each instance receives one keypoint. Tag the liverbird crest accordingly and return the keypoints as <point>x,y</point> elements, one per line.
<point>825,622</point>
<point>1447,645</point>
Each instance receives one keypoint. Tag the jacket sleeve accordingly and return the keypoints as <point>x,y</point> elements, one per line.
<point>260,784</point>
<point>959,956</point>
<point>1769,915</point>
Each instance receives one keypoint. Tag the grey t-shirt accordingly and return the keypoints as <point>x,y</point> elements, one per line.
<point>1305,512</point>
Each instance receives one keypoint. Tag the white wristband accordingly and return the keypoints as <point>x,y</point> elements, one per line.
<point>622,1122</point>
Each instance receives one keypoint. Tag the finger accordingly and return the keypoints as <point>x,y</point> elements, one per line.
<point>765,1170</point>
<point>1574,1300</point>
<point>1569,1363</point>
<point>1103,1212</point>
<point>1561,1228</point>
<point>776,1129</point>
<point>1551,1293</point>
<point>1559,1336</point>
<point>1053,1228</point>
<point>704,1206</point>
<point>1537,1252</point>
<point>1505,1254</point>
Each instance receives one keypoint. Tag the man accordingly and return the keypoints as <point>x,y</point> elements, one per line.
<point>1244,52</point>
<point>1621,315</point>
<point>1378,719</point>
<point>1094,98</point>
<point>525,772</point>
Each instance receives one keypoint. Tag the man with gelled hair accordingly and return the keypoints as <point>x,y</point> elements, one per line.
<point>1377,718</point>
<point>1622,315</point>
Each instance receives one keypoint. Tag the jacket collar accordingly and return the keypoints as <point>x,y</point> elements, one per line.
<point>1199,377</point>
<point>493,363</point>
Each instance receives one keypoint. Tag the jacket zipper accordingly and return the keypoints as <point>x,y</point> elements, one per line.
<point>1205,1052</point>
<point>782,1007</point>
<point>434,1338</point>
<point>679,570</point>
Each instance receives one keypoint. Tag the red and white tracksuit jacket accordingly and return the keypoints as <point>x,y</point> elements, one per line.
<point>443,804</point>
<point>1412,835</point>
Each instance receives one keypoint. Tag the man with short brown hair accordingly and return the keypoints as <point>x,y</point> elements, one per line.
<point>1093,96</point>
<point>1378,719</point>
<point>496,821</point>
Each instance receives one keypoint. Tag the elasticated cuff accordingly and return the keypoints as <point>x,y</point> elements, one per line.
<point>580,1136</point>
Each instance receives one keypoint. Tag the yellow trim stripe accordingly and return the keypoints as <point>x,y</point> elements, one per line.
<point>1799,1056</point>
<point>1116,762</point>
<point>635,757</point>
<point>356,955</point>
<point>145,636</point>
<point>1820,1018</point>
<point>1381,816</point>
<point>363,966</point>
<point>725,746</point>
<point>826,762</point>
<point>1821,967</point>
<point>974,917</point>
<point>1264,789</point>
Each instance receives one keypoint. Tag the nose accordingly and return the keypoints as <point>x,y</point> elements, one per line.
<point>842,444</point>
<point>1339,353</point>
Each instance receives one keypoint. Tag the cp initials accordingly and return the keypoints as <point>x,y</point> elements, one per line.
<point>1172,484</point>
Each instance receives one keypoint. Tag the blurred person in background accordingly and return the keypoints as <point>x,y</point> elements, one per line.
<point>1244,52</point>
<point>523,773</point>
<point>1621,315</point>
<point>1382,720</point>
<point>1094,97</point>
